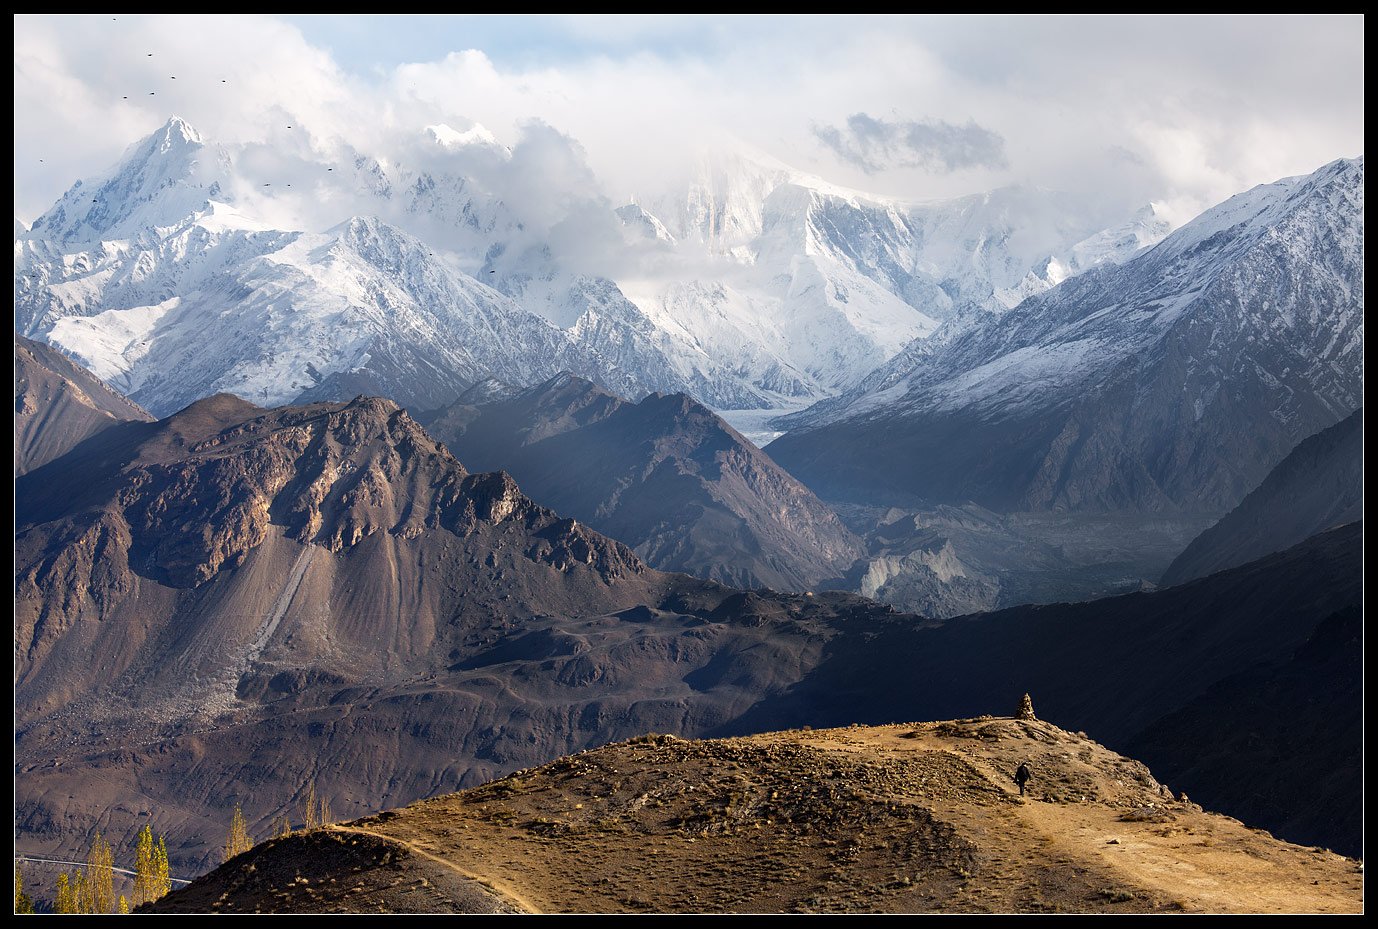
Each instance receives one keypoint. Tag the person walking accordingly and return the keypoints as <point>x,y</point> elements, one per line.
<point>1022,776</point>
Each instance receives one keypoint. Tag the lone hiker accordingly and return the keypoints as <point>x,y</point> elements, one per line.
<point>1022,776</point>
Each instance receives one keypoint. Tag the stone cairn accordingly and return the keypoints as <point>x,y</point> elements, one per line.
<point>1025,708</point>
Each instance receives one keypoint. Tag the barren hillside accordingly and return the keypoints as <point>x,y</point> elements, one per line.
<point>902,818</point>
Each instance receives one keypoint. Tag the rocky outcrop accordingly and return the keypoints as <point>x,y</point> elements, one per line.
<point>177,503</point>
<point>932,581</point>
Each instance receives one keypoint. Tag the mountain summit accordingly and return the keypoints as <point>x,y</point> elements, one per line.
<point>174,276</point>
<point>159,182</point>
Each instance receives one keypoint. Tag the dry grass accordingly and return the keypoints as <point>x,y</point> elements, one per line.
<point>911,818</point>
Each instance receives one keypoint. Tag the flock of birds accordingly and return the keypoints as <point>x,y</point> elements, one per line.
<point>153,93</point>
<point>173,77</point>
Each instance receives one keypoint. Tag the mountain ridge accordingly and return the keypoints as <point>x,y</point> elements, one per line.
<point>127,269</point>
<point>1319,485</point>
<point>58,404</point>
<point>665,475</point>
<point>1125,386</point>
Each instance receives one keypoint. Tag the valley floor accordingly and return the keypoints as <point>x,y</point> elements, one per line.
<point>951,560</point>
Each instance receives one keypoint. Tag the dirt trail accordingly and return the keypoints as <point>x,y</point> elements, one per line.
<point>1188,864</point>
<point>1183,862</point>
<point>513,897</point>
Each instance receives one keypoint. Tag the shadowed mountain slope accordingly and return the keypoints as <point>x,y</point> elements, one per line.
<point>1320,484</point>
<point>1122,665</point>
<point>665,475</point>
<point>58,403</point>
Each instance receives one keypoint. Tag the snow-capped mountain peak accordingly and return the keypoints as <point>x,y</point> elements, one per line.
<point>157,183</point>
<point>1243,218</point>
<point>1167,381</point>
<point>477,134</point>
<point>176,132</point>
<point>642,225</point>
<point>1148,226</point>
<point>751,285</point>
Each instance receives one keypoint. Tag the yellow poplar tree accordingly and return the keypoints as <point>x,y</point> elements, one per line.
<point>22,903</point>
<point>64,901</point>
<point>151,879</point>
<point>143,866</point>
<point>124,906</point>
<point>238,840</point>
<point>100,871</point>
<point>162,879</point>
<point>310,813</point>
<point>81,893</point>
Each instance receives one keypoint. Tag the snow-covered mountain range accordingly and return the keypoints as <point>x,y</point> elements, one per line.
<point>1173,381</point>
<point>176,276</point>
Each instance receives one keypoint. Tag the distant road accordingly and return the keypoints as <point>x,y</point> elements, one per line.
<point>82,864</point>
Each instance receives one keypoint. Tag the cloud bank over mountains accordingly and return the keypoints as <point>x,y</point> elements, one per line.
<point>1185,110</point>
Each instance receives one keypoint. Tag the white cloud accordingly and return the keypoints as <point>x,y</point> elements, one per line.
<point>874,144</point>
<point>1118,109</point>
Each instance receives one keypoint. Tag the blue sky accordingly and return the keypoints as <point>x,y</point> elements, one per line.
<point>370,43</point>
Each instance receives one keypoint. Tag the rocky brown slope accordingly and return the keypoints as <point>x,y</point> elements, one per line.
<point>664,475</point>
<point>219,607</point>
<point>201,598</point>
<point>58,403</point>
<point>906,818</point>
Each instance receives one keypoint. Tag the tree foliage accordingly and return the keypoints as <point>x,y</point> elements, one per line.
<point>315,809</point>
<point>100,876</point>
<point>238,840</point>
<point>92,890</point>
<point>310,815</point>
<point>64,902</point>
<point>22,902</point>
<point>162,878</point>
<point>81,893</point>
<point>151,878</point>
